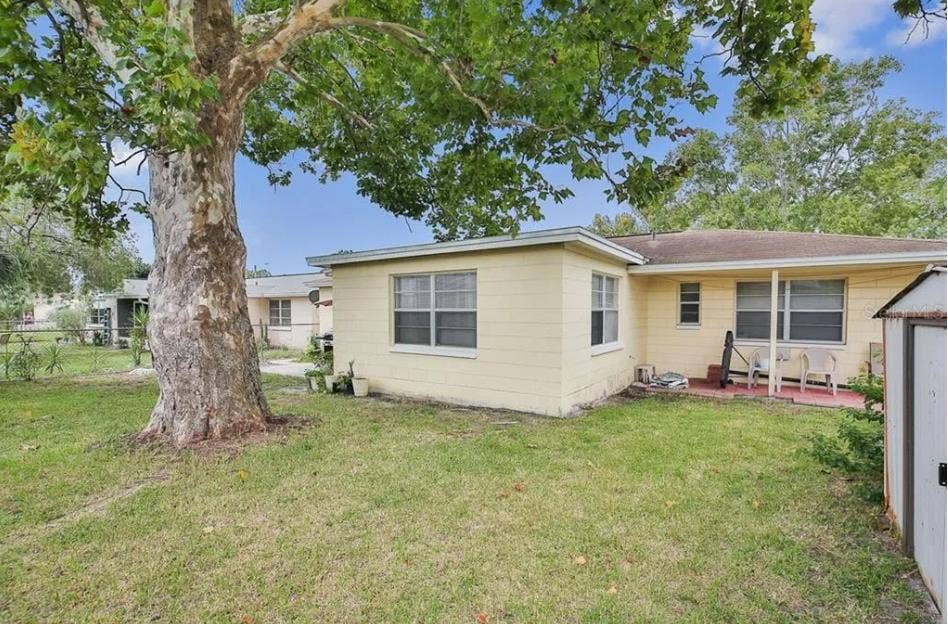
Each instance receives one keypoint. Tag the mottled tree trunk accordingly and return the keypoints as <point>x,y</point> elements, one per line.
<point>199,328</point>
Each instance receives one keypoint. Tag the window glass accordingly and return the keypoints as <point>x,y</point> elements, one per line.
<point>808,310</point>
<point>280,312</point>
<point>605,316</point>
<point>689,303</point>
<point>448,319</point>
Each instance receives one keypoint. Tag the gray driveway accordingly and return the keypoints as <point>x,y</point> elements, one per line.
<point>288,367</point>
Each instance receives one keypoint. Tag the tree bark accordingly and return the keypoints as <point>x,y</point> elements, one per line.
<point>199,328</point>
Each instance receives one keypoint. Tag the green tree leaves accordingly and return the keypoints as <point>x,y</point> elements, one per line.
<point>445,111</point>
<point>845,162</point>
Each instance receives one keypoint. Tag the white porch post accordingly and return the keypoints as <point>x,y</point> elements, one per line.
<point>774,292</point>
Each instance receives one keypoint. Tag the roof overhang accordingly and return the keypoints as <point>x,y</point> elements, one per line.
<point>900,257</point>
<point>576,235</point>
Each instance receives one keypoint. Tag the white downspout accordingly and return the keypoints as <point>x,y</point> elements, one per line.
<point>774,292</point>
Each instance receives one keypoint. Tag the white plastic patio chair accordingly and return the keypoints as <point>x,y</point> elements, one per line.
<point>760,363</point>
<point>818,362</point>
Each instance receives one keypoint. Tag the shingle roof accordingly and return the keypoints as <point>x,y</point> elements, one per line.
<point>292,285</point>
<point>693,246</point>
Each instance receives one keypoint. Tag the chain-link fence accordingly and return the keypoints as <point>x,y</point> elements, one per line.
<point>35,352</point>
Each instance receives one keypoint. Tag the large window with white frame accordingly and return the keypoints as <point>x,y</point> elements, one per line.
<point>605,309</point>
<point>436,309</point>
<point>689,304</point>
<point>808,310</point>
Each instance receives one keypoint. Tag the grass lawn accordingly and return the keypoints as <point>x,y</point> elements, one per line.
<point>651,510</point>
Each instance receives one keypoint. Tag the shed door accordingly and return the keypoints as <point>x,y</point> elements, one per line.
<point>930,440</point>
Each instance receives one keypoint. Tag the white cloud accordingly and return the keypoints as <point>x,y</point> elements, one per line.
<point>839,24</point>
<point>912,34</point>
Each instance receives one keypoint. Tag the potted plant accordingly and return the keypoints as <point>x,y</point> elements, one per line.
<point>360,385</point>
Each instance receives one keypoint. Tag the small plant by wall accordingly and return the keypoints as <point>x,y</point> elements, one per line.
<point>857,449</point>
<point>138,335</point>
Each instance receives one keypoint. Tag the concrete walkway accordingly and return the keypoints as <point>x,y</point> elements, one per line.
<point>290,368</point>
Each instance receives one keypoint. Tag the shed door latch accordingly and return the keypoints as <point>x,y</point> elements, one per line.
<point>943,474</point>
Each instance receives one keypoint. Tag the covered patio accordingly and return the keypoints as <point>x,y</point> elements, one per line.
<point>818,396</point>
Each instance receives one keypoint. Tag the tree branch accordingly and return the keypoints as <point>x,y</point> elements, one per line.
<point>92,24</point>
<point>260,23</point>
<point>308,19</point>
<point>290,73</point>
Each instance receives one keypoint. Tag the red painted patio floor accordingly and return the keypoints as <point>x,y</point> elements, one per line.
<point>814,395</point>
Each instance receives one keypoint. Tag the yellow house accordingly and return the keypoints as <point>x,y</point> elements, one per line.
<point>549,321</point>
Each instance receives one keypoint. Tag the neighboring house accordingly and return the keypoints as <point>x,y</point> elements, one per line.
<point>281,304</point>
<point>551,320</point>
<point>915,422</point>
<point>279,307</point>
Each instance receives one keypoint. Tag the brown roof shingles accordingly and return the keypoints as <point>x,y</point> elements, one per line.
<point>694,246</point>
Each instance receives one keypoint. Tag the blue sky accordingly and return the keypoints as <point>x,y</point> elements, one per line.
<point>283,225</point>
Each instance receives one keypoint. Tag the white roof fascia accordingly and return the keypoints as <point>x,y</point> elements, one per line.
<point>900,257</point>
<point>542,237</point>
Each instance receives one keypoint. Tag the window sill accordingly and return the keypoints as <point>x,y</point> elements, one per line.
<point>279,328</point>
<point>687,326</point>
<point>609,347</point>
<point>837,346</point>
<point>456,352</point>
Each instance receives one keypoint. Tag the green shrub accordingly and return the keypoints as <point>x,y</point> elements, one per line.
<point>25,362</point>
<point>857,449</point>
<point>6,362</point>
<point>55,355</point>
<point>138,335</point>
<point>72,322</point>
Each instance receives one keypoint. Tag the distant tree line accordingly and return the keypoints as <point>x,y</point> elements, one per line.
<point>847,161</point>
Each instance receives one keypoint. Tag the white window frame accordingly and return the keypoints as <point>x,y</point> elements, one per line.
<point>696,325</point>
<point>97,316</point>
<point>786,312</point>
<point>431,348</point>
<point>288,317</point>
<point>614,345</point>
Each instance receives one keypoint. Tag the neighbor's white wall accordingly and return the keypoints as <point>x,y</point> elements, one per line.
<point>324,313</point>
<point>303,316</point>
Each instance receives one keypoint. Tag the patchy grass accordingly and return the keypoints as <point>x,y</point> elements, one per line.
<point>651,510</point>
<point>281,353</point>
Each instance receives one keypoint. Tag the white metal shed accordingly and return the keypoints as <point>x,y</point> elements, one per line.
<point>916,413</point>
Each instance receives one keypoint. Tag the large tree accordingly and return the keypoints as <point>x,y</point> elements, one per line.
<point>443,110</point>
<point>847,161</point>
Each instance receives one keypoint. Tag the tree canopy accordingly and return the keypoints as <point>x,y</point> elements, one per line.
<point>846,161</point>
<point>443,111</point>
<point>40,255</point>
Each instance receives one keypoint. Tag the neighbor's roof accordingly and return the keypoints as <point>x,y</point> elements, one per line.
<point>575,234</point>
<point>706,249</point>
<point>290,285</point>
<point>323,280</point>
